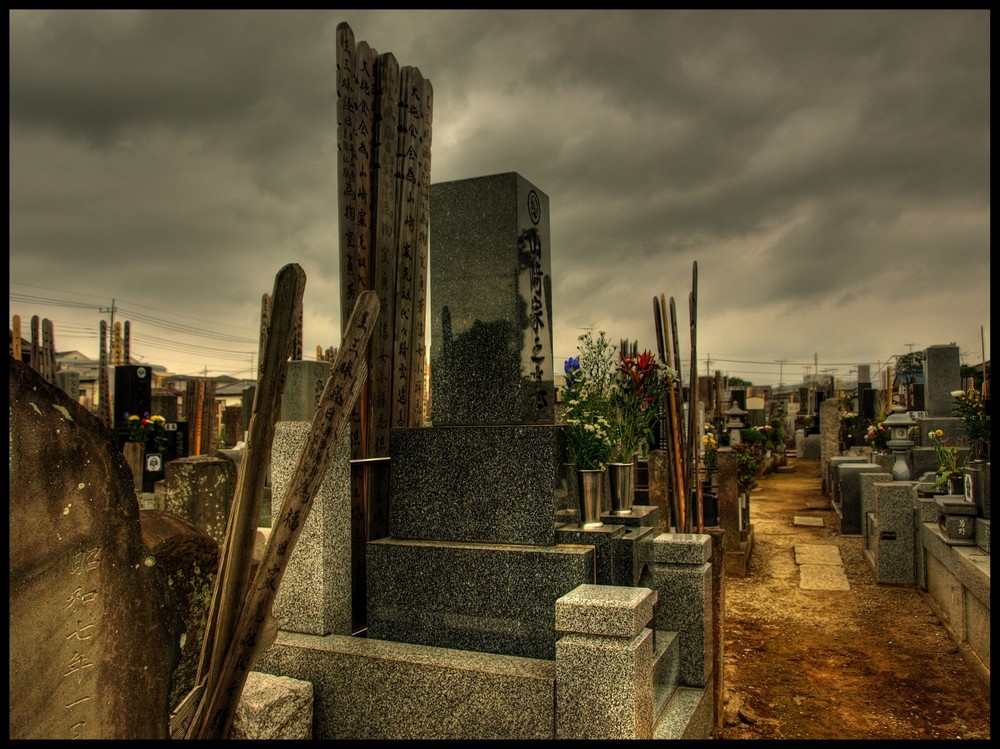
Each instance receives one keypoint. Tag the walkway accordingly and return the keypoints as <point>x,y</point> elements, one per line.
<point>815,649</point>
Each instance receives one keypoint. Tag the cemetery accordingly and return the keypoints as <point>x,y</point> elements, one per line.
<point>539,552</point>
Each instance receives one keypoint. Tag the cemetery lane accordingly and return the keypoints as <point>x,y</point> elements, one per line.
<point>874,661</point>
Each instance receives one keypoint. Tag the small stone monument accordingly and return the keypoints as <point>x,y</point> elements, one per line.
<point>92,637</point>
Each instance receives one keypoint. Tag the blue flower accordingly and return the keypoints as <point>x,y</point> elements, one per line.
<point>571,366</point>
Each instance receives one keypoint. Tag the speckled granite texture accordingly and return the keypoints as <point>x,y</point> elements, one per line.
<point>684,605</point>
<point>893,531</point>
<point>315,592</point>
<point>604,663</point>
<point>849,509</point>
<point>491,295</point>
<point>615,611</point>
<point>372,689</point>
<point>477,484</point>
<point>495,598</point>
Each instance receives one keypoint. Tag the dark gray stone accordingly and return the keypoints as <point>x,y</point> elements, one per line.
<point>490,280</point>
<point>489,598</point>
<point>493,484</point>
<point>849,481</point>
<point>201,489</point>
<point>189,558</point>
<point>942,375</point>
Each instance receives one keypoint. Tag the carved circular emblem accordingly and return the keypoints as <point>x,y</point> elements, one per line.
<point>968,488</point>
<point>140,372</point>
<point>154,463</point>
<point>534,207</point>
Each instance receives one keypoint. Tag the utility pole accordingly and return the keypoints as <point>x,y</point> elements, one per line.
<point>781,372</point>
<point>112,309</point>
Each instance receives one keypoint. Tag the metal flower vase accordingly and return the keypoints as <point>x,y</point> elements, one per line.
<point>590,484</point>
<point>621,480</point>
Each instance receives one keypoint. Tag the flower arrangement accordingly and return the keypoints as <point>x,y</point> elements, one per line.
<point>636,394</point>
<point>711,449</point>
<point>145,428</point>
<point>597,365</point>
<point>588,437</point>
<point>969,405</point>
<point>948,465</point>
<point>877,435</point>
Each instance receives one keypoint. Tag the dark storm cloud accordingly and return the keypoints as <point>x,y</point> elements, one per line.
<point>814,163</point>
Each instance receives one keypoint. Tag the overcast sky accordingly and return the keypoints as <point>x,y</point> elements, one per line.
<point>828,172</point>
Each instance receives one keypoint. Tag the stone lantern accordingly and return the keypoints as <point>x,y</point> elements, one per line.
<point>734,423</point>
<point>899,441</point>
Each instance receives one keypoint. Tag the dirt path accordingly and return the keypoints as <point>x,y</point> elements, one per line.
<point>871,662</point>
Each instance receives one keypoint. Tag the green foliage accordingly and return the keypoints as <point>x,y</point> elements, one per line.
<point>748,467</point>
<point>969,405</point>
<point>911,362</point>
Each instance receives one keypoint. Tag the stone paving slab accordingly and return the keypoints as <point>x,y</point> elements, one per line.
<point>818,554</point>
<point>802,520</point>
<point>822,577</point>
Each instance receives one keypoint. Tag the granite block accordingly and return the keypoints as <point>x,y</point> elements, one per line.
<point>666,668</point>
<point>942,375</point>
<point>927,511</point>
<point>689,715</point>
<point>201,488</point>
<point>604,687</point>
<point>315,592</point>
<point>605,551</point>
<point>609,610</point>
<point>273,707</point>
<point>812,447</point>
<point>681,548</point>
<point>849,482</point>
<point>868,480</point>
<point>833,475</point>
<point>639,515</point>
<point>685,606</point>
<point>493,598</point>
<point>977,483</point>
<point>303,389</point>
<point>475,484</point>
<point>491,295</point>
<point>894,535</point>
<point>375,689</point>
<point>983,534</point>
<point>923,460</point>
<point>632,554</point>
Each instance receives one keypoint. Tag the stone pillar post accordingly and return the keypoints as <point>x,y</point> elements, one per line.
<point>680,573</point>
<point>729,498</point>
<point>604,663</point>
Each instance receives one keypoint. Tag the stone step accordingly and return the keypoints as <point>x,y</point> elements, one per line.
<point>666,668</point>
<point>688,715</point>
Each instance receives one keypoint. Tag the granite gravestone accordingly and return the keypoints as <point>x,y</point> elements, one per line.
<point>491,354</point>
<point>472,560</point>
<point>942,375</point>
<point>92,638</point>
